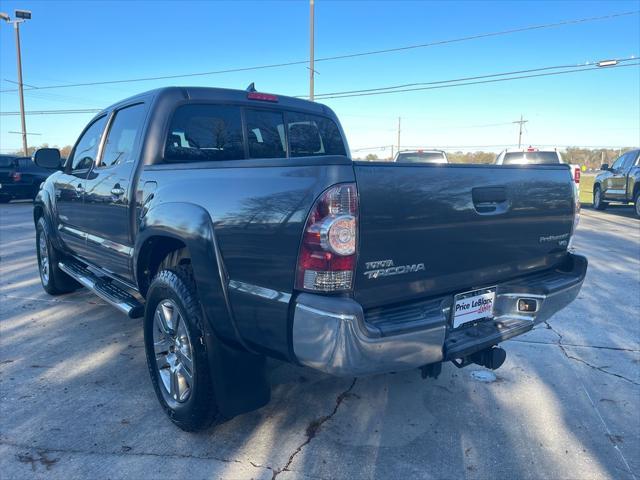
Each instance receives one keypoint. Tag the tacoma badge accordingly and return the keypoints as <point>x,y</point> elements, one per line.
<point>386,268</point>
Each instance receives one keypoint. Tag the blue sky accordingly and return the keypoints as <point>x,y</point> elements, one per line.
<point>70,42</point>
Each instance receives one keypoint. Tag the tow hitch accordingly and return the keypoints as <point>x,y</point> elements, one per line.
<point>491,358</point>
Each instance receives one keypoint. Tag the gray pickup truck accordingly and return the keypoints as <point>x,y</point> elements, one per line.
<point>236,224</point>
<point>619,182</point>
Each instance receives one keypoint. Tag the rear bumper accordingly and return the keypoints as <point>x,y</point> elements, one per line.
<point>335,335</point>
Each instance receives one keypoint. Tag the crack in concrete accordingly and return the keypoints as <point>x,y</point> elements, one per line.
<point>312,430</point>
<point>590,365</point>
<point>600,347</point>
<point>124,453</point>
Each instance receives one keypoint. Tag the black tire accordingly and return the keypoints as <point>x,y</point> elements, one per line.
<point>195,407</point>
<point>636,202</point>
<point>54,281</point>
<point>598,201</point>
<point>5,198</point>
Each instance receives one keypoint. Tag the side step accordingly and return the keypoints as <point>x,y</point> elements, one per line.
<point>105,289</point>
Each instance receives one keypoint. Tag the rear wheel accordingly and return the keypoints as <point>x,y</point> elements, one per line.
<point>5,198</point>
<point>54,281</point>
<point>176,355</point>
<point>598,199</point>
<point>636,202</point>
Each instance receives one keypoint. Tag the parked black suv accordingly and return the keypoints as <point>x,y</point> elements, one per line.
<point>20,178</point>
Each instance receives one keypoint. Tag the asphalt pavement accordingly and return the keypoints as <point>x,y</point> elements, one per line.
<point>76,400</point>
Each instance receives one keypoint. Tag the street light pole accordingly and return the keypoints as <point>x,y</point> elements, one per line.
<point>311,49</point>
<point>23,122</point>
<point>21,16</point>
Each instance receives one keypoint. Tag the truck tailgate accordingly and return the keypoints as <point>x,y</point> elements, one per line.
<point>431,229</point>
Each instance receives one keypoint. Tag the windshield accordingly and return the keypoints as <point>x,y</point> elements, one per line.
<point>421,157</point>
<point>530,158</point>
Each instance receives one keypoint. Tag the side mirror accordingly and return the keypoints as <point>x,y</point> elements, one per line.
<point>48,158</point>
<point>605,166</point>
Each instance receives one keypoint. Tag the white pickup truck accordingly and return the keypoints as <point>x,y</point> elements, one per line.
<point>535,156</point>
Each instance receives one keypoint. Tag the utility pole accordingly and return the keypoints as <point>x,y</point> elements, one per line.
<point>521,122</point>
<point>312,71</point>
<point>21,16</point>
<point>398,134</point>
<point>23,123</point>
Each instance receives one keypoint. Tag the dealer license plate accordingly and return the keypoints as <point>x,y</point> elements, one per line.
<point>472,306</point>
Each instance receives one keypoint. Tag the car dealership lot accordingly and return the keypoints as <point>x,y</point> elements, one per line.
<point>76,400</point>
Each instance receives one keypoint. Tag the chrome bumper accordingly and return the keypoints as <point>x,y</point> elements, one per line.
<point>332,335</point>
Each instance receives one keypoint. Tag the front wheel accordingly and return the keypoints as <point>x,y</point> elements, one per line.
<point>175,348</point>
<point>598,199</point>
<point>636,202</point>
<point>54,281</point>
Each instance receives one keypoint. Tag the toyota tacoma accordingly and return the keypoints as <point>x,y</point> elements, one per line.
<point>236,225</point>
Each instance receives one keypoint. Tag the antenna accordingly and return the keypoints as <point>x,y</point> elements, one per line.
<point>251,87</point>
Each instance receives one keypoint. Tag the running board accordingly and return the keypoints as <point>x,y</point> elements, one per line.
<point>105,289</point>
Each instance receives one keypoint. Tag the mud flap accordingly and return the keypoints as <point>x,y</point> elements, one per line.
<point>239,379</point>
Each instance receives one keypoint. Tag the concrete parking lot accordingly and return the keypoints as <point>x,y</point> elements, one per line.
<point>76,401</point>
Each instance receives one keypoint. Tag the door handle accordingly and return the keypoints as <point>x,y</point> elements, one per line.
<point>117,191</point>
<point>490,200</point>
<point>79,188</point>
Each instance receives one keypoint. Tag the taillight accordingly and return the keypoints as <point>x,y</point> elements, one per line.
<point>16,176</point>
<point>576,175</point>
<point>327,258</point>
<point>576,215</point>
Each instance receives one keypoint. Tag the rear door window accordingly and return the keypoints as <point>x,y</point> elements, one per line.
<point>312,135</point>
<point>200,133</point>
<point>265,134</point>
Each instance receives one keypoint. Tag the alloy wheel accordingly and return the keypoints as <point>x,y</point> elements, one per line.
<point>44,257</point>
<point>173,351</point>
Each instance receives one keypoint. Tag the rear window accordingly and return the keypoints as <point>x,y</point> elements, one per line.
<point>215,132</point>
<point>530,158</point>
<point>7,162</point>
<point>265,131</point>
<point>421,157</point>
<point>201,133</point>
<point>311,135</point>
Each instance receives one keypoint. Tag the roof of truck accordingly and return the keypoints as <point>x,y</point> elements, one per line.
<point>229,95</point>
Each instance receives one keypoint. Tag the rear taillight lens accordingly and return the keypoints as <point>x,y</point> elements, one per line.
<point>16,176</point>
<point>327,257</point>
<point>576,216</point>
<point>576,175</point>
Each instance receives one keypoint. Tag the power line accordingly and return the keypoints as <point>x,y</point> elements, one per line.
<point>386,90</point>
<point>346,56</point>
<point>54,112</point>
<point>477,77</point>
<point>462,84</point>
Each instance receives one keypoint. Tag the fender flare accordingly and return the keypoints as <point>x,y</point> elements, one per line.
<point>192,225</point>
<point>43,201</point>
